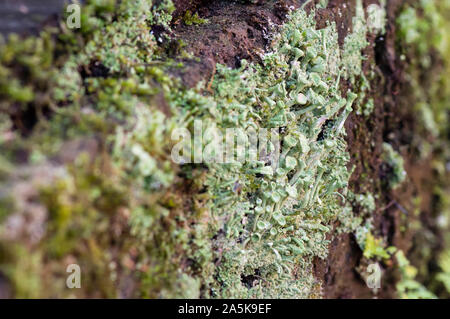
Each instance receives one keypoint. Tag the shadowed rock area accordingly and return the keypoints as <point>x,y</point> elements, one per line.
<point>27,16</point>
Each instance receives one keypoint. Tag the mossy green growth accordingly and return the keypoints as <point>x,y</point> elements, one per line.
<point>426,29</point>
<point>354,43</point>
<point>122,209</point>
<point>190,19</point>
<point>22,268</point>
<point>408,287</point>
<point>118,178</point>
<point>424,38</point>
<point>376,17</point>
<point>322,4</point>
<point>375,248</point>
<point>396,171</point>
<point>423,30</point>
<point>365,201</point>
<point>444,276</point>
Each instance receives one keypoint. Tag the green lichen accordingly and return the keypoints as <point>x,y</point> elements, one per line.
<point>396,172</point>
<point>376,17</point>
<point>354,43</point>
<point>292,207</point>
<point>322,4</point>
<point>122,209</point>
<point>366,202</point>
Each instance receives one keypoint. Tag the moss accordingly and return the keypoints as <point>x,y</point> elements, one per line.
<point>423,39</point>
<point>6,207</point>
<point>23,269</point>
<point>444,276</point>
<point>190,19</point>
<point>423,32</point>
<point>83,205</point>
<point>408,287</point>
<point>374,248</point>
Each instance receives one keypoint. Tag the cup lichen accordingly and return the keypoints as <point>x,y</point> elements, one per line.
<point>123,209</point>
